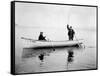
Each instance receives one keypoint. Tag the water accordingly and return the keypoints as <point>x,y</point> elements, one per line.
<point>28,60</point>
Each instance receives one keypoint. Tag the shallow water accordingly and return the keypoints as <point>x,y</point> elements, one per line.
<point>28,60</point>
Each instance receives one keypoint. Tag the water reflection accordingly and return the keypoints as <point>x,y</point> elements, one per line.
<point>29,53</point>
<point>46,60</point>
<point>37,57</point>
<point>41,57</point>
<point>70,55</point>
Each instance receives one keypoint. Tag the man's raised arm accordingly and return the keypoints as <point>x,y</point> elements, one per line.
<point>68,27</point>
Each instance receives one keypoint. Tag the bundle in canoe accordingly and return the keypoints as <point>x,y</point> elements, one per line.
<point>52,44</point>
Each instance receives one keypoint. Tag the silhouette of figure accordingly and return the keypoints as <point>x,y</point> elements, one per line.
<point>41,57</point>
<point>70,32</point>
<point>41,37</point>
<point>70,56</point>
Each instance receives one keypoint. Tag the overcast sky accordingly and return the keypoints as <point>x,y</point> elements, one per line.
<point>54,16</point>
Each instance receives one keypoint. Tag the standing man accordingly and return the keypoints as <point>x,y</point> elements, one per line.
<point>70,32</point>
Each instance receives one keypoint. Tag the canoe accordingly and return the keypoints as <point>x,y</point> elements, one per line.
<point>57,44</point>
<point>53,44</point>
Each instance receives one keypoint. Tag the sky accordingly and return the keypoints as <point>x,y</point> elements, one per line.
<point>54,16</point>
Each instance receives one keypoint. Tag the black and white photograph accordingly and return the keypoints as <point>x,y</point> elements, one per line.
<point>54,37</point>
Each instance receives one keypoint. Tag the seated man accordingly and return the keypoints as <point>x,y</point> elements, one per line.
<point>41,37</point>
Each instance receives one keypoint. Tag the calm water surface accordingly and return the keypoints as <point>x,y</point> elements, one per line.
<point>61,59</point>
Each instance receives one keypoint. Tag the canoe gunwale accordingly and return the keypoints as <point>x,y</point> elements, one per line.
<point>56,46</point>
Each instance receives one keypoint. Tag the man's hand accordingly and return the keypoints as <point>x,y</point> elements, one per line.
<point>68,27</point>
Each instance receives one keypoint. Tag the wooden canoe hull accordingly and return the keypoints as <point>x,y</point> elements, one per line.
<point>54,44</point>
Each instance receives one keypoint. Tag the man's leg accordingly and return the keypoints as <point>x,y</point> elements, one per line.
<point>72,37</point>
<point>69,37</point>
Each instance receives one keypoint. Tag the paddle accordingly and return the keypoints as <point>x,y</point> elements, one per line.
<point>77,40</point>
<point>79,43</point>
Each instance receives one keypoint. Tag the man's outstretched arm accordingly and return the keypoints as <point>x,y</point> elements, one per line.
<point>68,27</point>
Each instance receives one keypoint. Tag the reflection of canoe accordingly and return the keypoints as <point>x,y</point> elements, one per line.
<point>29,52</point>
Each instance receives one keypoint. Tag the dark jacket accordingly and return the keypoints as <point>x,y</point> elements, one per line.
<point>70,31</point>
<point>41,37</point>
